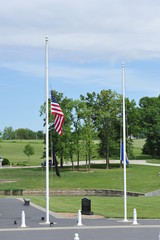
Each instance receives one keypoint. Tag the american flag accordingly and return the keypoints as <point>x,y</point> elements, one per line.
<point>58,115</point>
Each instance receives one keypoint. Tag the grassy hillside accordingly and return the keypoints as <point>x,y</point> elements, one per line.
<point>137,149</point>
<point>13,150</point>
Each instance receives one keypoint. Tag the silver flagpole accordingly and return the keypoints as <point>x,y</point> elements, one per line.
<point>124,147</point>
<point>47,148</point>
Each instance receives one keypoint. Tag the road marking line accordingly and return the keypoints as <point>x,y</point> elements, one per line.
<point>76,227</point>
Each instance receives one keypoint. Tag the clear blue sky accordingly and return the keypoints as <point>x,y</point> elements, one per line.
<point>88,40</point>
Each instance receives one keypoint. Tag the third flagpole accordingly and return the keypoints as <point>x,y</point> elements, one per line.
<point>124,148</point>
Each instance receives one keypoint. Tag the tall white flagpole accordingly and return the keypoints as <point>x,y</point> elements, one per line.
<point>124,148</point>
<point>47,148</point>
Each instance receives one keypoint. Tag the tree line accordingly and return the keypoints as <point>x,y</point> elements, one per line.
<point>21,133</point>
<point>93,124</point>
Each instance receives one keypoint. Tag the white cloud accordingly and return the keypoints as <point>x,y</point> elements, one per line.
<point>81,32</point>
<point>112,28</point>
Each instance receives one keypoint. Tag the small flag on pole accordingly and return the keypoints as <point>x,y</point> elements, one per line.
<point>123,155</point>
<point>58,115</point>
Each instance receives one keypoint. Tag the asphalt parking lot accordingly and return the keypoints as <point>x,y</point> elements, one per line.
<point>65,228</point>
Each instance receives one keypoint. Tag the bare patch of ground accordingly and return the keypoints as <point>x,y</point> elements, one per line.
<point>75,215</point>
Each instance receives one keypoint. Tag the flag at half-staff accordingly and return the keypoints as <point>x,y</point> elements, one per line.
<point>58,115</point>
<point>122,155</point>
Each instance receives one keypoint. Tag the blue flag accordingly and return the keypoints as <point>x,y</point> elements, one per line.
<point>123,154</point>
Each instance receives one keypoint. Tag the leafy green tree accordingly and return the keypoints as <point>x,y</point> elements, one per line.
<point>66,143</point>
<point>88,127</point>
<point>25,133</point>
<point>132,119</point>
<point>78,129</point>
<point>107,120</point>
<point>133,128</point>
<point>8,133</point>
<point>28,150</point>
<point>40,135</point>
<point>150,121</point>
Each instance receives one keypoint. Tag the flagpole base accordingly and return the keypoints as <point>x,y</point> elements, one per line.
<point>47,222</point>
<point>125,220</point>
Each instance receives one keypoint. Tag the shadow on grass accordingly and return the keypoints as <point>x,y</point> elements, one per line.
<point>92,166</point>
<point>143,157</point>
<point>103,166</point>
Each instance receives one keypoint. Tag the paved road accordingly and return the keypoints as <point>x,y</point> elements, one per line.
<point>137,162</point>
<point>84,234</point>
<point>65,228</point>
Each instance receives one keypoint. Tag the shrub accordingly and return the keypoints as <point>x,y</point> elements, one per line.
<point>5,162</point>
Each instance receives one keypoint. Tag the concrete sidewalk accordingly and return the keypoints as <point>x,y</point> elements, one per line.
<point>135,162</point>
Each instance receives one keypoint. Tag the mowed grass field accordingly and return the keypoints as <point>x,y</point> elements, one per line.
<point>109,207</point>
<point>139,178</point>
<point>13,151</point>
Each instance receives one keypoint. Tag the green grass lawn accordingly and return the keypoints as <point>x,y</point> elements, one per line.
<point>109,207</point>
<point>13,151</point>
<point>139,178</point>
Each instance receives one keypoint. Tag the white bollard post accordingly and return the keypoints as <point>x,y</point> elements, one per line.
<point>159,235</point>
<point>23,220</point>
<point>76,236</point>
<point>79,218</point>
<point>135,217</point>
